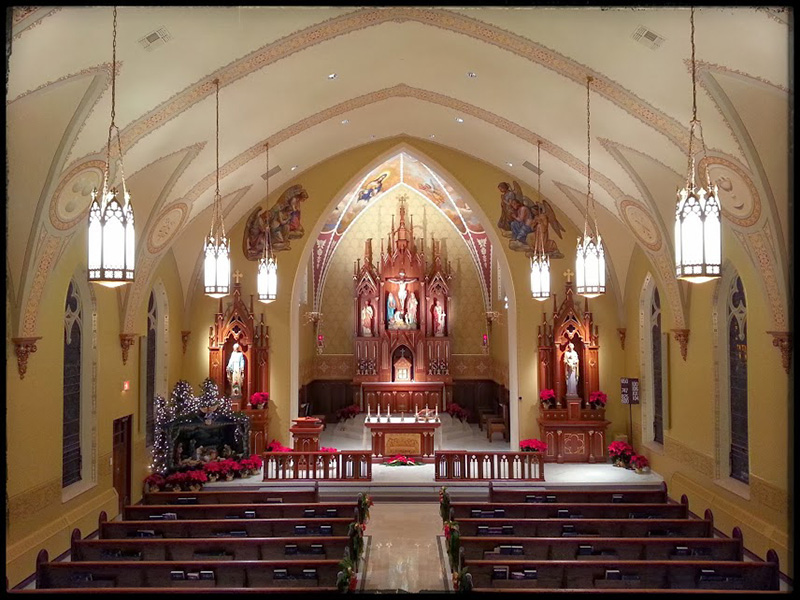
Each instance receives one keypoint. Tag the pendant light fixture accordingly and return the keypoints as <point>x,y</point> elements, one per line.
<point>540,262</point>
<point>698,240</point>
<point>267,267</point>
<point>112,251</point>
<point>217,247</point>
<point>590,259</point>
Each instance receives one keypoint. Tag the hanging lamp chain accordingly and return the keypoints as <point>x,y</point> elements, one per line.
<point>113,127</point>
<point>216,219</point>
<point>588,157</point>
<point>268,246</point>
<point>540,249</point>
<point>690,170</point>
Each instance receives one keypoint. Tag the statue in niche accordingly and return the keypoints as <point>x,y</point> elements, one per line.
<point>400,320</point>
<point>571,363</point>
<point>366,320</point>
<point>438,318</point>
<point>235,371</point>
<point>391,306</point>
<point>411,312</point>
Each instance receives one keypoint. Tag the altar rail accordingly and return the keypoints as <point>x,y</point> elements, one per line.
<point>324,466</point>
<point>461,465</point>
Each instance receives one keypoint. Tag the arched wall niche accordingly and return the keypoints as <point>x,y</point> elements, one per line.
<point>481,217</point>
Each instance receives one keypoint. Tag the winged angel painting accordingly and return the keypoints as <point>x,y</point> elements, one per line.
<point>526,222</point>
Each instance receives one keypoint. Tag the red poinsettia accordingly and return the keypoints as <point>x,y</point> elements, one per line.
<point>324,449</point>
<point>400,460</point>
<point>456,411</point>
<point>620,449</point>
<point>639,461</point>
<point>532,445</point>
<point>598,397</point>
<point>276,446</point>
<point>156,480</point>
<point>259,398</point>
<point>547,395</point>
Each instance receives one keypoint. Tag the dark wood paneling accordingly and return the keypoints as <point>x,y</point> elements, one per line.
<point>479,394</point>
<point>327,396</point>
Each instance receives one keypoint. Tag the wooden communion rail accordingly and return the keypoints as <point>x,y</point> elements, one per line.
<point>461,465</point>
<point>343,465</point>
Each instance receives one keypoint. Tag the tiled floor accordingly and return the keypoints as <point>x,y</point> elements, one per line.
<point>404,550</point>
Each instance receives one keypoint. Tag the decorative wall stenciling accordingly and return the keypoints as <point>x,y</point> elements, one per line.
<point>166,225</point>
<point>527,223</point>
<point>738,196</point>
<point>283,220</point>
<point>641,224</point>
<point>73,195</point>
<point>412,175</point>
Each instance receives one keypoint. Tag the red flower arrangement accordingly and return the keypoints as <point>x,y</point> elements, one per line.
<point>252,464</point>
<point>401,460</point>
<point>639,461</point>
<point>598,397</point>
<point>324,449</point>
<point>276,446</point>
<point>348,412</point>
<point>547,398</point>
<point>532,445</point>
<point>155,481</point>
<point>456,411</point>
<point>259,399</point>
<point>620,452</point>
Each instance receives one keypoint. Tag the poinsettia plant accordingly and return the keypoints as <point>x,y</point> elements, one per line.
<point>639,461</point>
<point>348,412</point>
<point>532,445</point>
<point>324,449</point>
<point>620,452</point>
<point>400,460</point>
<point>456,411</point>
<point>155,481</point>
<point>276,446</point>
<point>598,398</point>
<point>259,399</point>
<point>547,397</point>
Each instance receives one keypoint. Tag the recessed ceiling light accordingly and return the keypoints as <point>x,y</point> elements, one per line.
<point>372,137</point>
<point>459,120</point>
<point>332,76</point>
<point>345,121</point>
<point>510,164</point>
<point>294,167</point>
<point>472,74</point>
<point>433,135</point>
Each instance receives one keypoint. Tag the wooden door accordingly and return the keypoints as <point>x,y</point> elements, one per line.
<point>122,460</point>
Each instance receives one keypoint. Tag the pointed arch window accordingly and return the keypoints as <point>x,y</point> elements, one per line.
<point>152,320</point>
<point>737,372</point>
<point>657,367</point>
<point>72,459</point>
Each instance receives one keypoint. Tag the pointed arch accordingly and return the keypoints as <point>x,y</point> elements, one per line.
<point>652,367</point>
<point>502,261</point>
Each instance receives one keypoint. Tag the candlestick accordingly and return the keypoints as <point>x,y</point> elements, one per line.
<point>436,411</point>
<point>379,411</point>
<point>369,411</point>
<point>388,411</point>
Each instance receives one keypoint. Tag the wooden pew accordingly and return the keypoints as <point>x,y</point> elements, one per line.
<point>272,591</point>
<point>593,548</point>
<point>210,496</point>
<point>205,528</point>
<point>529,510</point>
<point>588,527</point>
<point>532,494</point>
<point>643,575</point>
<point>143,512</point>
<point>147,574</point>
<point>184,549</point>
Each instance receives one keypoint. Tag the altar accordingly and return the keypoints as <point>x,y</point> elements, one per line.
<point>404,435</point>
<point>402,396</point>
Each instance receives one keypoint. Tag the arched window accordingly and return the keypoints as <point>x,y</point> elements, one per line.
<point>656,372</point>
<point>71,465</point>
<point>737,372</point>
<point>152,321</point>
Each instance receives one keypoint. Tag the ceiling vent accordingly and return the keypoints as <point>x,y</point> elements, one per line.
<point>273,171</point>
<point>155,39</point>
<point>533,168</point>
<point>647,37</point>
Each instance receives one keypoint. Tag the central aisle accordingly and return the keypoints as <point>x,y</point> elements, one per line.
<point>404,549</point>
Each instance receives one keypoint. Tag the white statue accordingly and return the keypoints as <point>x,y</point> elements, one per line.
<point>571,362</point>
<point>438,318</point>
<point>366,320</point>
<point>411,313</point>
<point>235,371</point>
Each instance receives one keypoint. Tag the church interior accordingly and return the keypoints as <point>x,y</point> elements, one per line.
<point>294,262</point>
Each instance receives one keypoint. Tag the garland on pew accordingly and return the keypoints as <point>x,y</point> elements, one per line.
<point>346,578</point>
<point>452,536</point>
<point>364,502</point>
<point>444,504</point>
<point>355,531</point>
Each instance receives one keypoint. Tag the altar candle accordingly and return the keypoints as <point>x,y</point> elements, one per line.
<point>369,410</point>
<point>379,411</point>
<point>436,411</point>
<point>388,411</point>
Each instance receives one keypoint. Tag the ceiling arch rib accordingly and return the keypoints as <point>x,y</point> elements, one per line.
<point>403,170</point>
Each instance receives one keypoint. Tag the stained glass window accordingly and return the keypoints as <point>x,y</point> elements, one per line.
<point>655,340</point>
<point>152,320</point>
<point>71,434</point>
<point>737,361</point>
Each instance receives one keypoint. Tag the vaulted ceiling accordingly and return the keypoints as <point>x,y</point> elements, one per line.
<point>398,71</point>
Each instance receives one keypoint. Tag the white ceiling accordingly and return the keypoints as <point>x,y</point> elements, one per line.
<point>400,71</point>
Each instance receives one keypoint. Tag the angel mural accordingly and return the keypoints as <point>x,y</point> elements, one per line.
<point>283,220</point>
<point>526,222</point>
<point>373,188</point>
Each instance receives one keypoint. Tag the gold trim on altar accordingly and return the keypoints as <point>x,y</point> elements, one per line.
<point>402,443</point>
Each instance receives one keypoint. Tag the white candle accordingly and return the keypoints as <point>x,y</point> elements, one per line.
<point>436,411</point>
<point>388,411</point>
<point>369,411</point>
<point>379,411</point>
